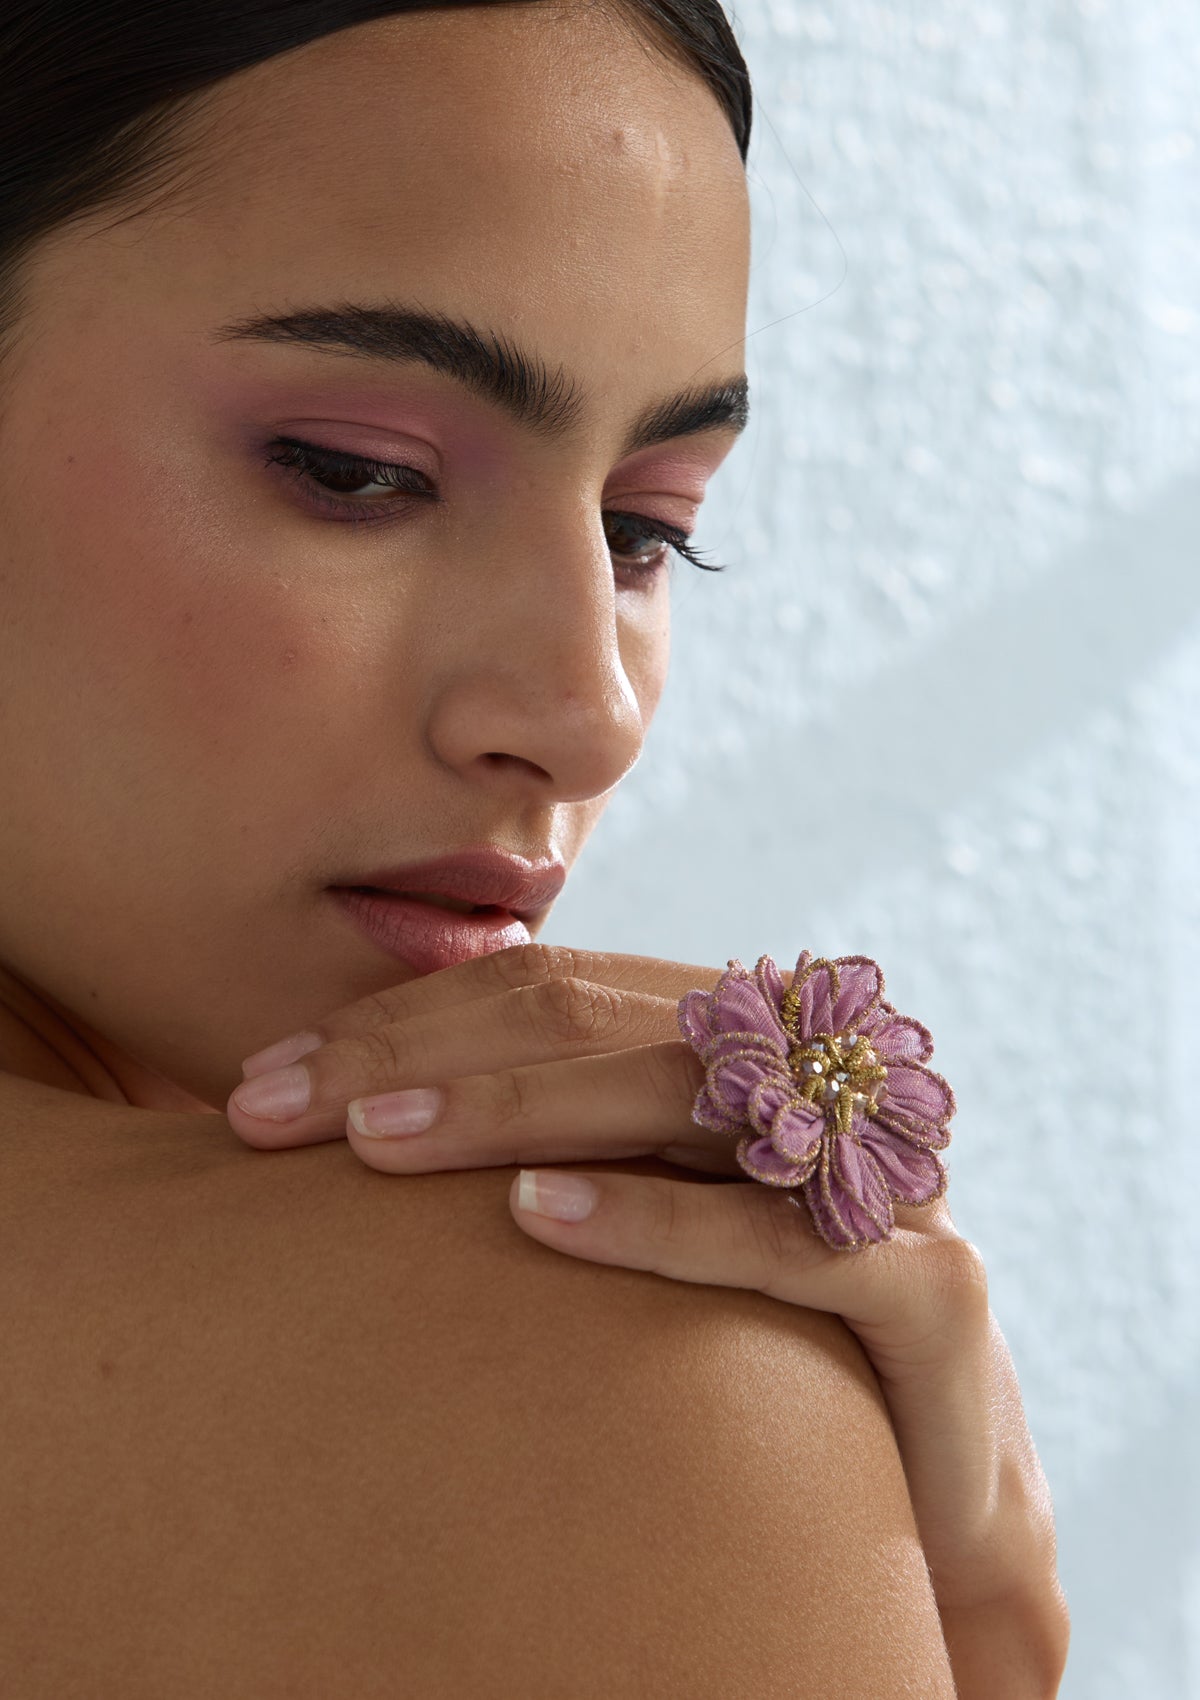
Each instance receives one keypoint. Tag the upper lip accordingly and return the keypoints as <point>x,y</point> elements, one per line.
<point>481,874</point>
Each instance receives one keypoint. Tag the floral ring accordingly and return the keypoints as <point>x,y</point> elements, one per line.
<point>825,1085</point>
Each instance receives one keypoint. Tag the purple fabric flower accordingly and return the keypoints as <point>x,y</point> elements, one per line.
<point>825,1082</point>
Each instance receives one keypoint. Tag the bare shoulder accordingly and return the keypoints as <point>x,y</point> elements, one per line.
<point>278,1423</point>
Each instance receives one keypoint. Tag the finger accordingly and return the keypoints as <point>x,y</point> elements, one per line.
<point>634,1103</point>
<point>913,1300</point>
<point>917,1303</point>
<point>501,971</point>
<point>519,1027</point>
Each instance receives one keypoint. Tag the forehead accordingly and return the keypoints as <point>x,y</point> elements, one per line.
<point>539,166</point>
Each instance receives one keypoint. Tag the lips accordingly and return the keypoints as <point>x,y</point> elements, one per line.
<point>425,935</point>
<point>481,875</point>
<point>438,913</point>
<point>454,905</point>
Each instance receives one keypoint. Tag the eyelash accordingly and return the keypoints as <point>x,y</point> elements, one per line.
<point>309,461</point>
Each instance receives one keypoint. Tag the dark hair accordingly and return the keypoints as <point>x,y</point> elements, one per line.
<point>96,92</point>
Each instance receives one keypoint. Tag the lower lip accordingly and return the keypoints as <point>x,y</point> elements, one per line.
<point>426,937</point>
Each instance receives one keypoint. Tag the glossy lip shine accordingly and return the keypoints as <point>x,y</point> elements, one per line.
<point>426,936</point>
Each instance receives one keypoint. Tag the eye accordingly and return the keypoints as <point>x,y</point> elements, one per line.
<point>666,536</point>
<point>319,469</point>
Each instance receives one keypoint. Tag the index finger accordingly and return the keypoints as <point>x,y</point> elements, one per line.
<point>505,970</point>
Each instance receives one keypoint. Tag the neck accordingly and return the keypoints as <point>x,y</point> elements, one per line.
<point>41,1040</point>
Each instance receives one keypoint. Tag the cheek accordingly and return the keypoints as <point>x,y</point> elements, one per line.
<point>214,653</point>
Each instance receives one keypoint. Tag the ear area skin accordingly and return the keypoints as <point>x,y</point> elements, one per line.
<point>696,1485</point>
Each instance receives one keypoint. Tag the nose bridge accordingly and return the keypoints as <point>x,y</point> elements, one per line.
<point>538,671</point>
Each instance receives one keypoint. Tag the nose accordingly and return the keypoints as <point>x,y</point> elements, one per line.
<point>542,685</point>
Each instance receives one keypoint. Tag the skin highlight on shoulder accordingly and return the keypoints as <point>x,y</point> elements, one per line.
<point>367,1430</point>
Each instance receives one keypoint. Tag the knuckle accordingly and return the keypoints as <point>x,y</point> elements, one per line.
<point>560,962</point>
<point>383,1052</point>
<point>375,1009</point>
<point>511,1099</point>
<point>533,964</point>
<point>932,1219</point>
<point>511,968</point>
<point>956,1274</point>
<point>577,1011</point>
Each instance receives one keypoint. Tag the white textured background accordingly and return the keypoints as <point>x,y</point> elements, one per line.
<point>944,707</point>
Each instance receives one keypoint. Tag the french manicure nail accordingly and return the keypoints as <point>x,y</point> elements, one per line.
<point>548,1192</point>
<point>396,1113</point>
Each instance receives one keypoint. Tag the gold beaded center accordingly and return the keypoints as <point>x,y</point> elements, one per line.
<point>836,1072</point>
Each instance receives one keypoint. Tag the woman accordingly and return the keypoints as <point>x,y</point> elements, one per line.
<point>360,369</point>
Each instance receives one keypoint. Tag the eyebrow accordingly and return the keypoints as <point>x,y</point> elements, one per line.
<point>551,404</point>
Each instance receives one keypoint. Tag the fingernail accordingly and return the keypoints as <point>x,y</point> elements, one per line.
<point>277,1097</point>
<point>396,1113</point>
<point>548,1192</point>
<point>284,1051</point>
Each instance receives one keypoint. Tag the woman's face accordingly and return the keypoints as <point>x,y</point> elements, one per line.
<point>219,697</point>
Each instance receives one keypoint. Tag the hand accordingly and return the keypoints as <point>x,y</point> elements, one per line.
<point>544,1054</point>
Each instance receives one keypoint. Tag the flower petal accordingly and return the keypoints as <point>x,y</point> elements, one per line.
<point>798,1133</point>
<point>854,1170</point>
<point>897,1036</point>
<point>776,1111</point>
<point>814,1004</point>
<point>922,1134</point>
<point>917,1093</point>
<point>738,1005</point>
<point>730,1044</point>
<point>694,1023</point>
<point>734,1076</point>
<point>910,1174</point>
<point>772,1093</point>
<point>711,1113</point>
<point>769,980</point>
<point>760,1159</point>
<point>860,987</point>
<point>850,1204</point>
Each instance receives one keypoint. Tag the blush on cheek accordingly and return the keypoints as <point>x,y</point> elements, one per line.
<point>243,657</point>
